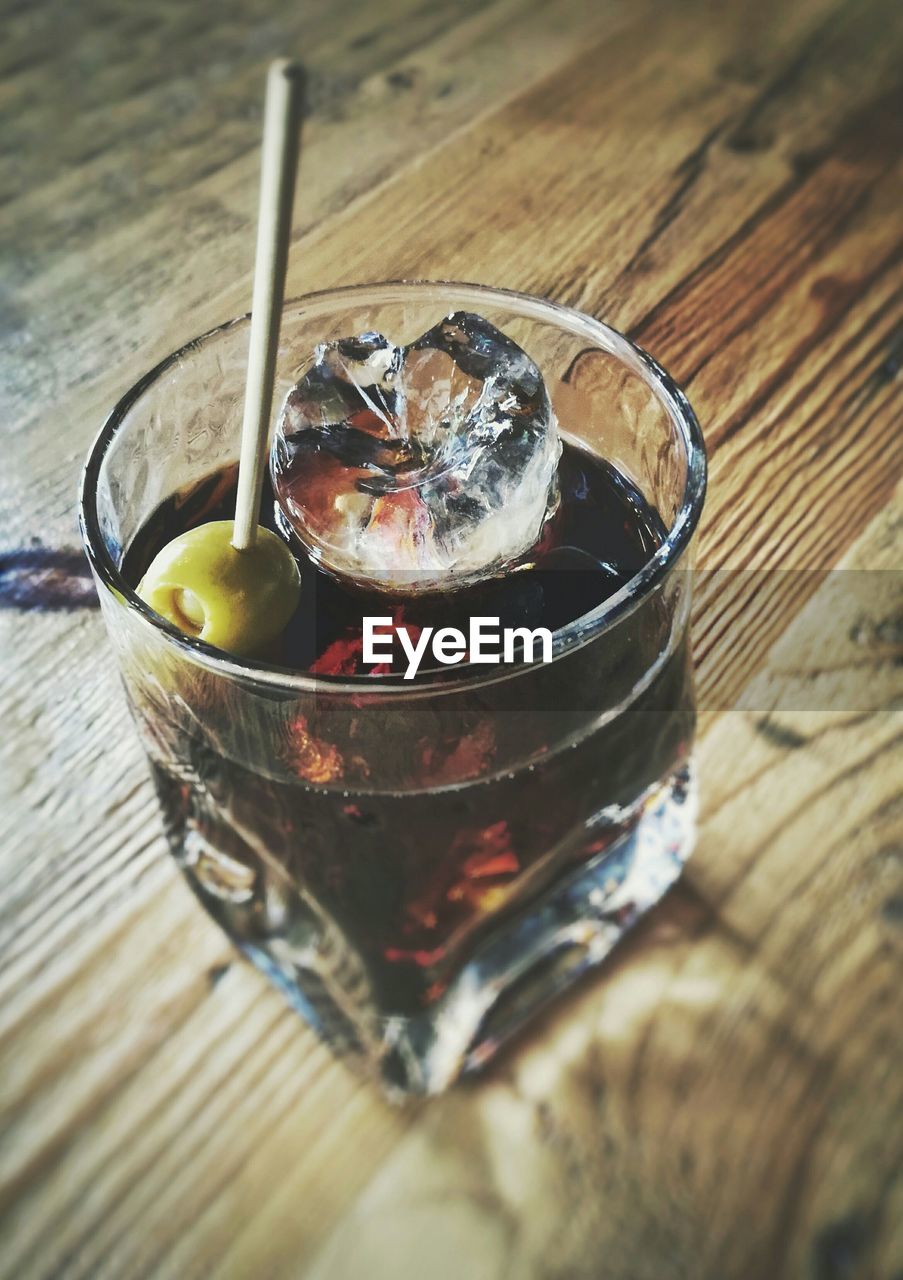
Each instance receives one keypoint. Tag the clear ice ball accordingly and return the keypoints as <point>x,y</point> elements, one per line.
<point>418,468</point>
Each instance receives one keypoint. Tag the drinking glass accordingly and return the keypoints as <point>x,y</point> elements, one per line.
<point>418,866</point>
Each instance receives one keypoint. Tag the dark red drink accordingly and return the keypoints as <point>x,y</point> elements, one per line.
<point>418,863</point>
<point>414,872</point>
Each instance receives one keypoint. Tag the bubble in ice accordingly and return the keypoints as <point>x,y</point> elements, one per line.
<point>410,468</point>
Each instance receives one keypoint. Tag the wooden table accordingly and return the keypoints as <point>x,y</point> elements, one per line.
<point>723,181</point>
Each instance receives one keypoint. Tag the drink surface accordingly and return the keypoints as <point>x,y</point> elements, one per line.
<point>363,898</point>
<point>600,536</point>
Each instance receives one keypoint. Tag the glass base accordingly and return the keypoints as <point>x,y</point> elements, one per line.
<point>572,928</point>
<point>566,931</point>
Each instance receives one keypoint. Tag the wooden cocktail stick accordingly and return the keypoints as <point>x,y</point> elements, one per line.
<point>231,583</point>
<point>281,125</point>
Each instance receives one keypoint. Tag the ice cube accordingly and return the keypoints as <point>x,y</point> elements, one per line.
<point>417,467</point>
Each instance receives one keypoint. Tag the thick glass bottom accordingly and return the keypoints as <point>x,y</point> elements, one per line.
<point>569,930</point>
<point>523,963</point>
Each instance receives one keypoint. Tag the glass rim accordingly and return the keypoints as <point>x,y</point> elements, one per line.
<point>470,675</point>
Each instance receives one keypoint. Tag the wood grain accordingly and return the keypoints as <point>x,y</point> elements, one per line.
<point>725,183</point>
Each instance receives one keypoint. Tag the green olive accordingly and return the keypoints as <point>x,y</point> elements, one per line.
<point>239,601</point>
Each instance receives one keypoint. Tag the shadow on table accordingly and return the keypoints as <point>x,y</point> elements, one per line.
<point>46,579</point>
